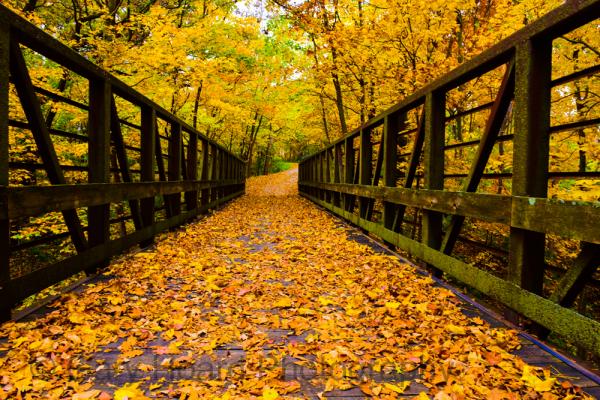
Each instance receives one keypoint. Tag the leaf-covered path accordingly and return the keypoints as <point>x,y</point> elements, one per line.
<point>268,297</point>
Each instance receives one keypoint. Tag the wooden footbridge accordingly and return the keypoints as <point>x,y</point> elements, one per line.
<point>251,301</point>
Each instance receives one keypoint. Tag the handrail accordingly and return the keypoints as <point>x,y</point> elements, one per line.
<point>375,192</point>
<point>203,172</point>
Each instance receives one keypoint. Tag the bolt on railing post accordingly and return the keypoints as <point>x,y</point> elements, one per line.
<point>99,115</point>
<point>530,156</point>
<point>147,164</point>
<point>435,110</point>
<point>6,302</point>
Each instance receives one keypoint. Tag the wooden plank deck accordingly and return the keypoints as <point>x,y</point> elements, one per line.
<point>110,375</point>
<point>260,349</point>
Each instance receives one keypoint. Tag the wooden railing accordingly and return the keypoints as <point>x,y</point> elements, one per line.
<point>199,175</point>
<point>375,193</point>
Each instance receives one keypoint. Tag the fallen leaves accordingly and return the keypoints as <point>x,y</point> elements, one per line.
<point>283,278</point>
<point>130,392</point>
<point>538,384</point>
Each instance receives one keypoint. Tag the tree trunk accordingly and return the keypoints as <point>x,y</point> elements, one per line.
<point>197,105</point>
<point>253,136</point>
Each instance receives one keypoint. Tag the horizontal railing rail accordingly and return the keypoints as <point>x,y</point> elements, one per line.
<point>173,183</point>
<point>368,178</point>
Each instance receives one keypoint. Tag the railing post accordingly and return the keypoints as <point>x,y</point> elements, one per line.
<point>191,198</point>
<point>320,175</point>
<point>435,104</point>
<point>222,171</point>
<point>366,161</point>
<point>174,168</point>
<point>6,303</point>
<point>349,172</point>
<point>229,172</point>
<point>205,193</point>
<point>147,163</point>
<point>337,154</point>
<point>327,177</point>
<point>390,159</point>
<point>214,172</point>
<point>311,173</point>
<point>530,156</point>
<point>100,98</point>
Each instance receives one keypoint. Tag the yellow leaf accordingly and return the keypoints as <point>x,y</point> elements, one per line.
<point>392,305</point>
<point>353,312</point>
<point>399,388</point>
<point>269,394</point>
<point>457,330</point>
<point>173,348</point>
<point>77,318</point>
<point>23,378</point>
<point>325,301</point>
<point>145,367</point>
<point>545,385</point>
<point>535,382</point>
<point>283,302</point>
<point>90,394</point>
<point>130,391</point>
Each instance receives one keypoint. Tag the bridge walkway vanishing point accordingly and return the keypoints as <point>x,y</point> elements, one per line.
<point>272,296</point>
<point>268,297</point>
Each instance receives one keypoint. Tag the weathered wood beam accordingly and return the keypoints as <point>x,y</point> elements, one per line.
<point>411,170</point>
<point>337,167</point>
<point>391,128</point>
<point>531,145</point>
<point>492,129</point>
<point>534,214</point>
<point>578,275</point>
<point>191,198</point>
<point>99,117</point>
<point>34,200</point>
<point>490,207</point>
<point>365,174</point>
<point>174,169</point>
<point>376,176</point>
<point>214,171</point>
<point>435,130</point>
<point>29,284</point>
<point>119,143</point>
<point>6,302</point>
<point>349,171</point>
<point>327,176</point>
<point>147,163</point>
<point>205,194</point>
<point>33,112</point>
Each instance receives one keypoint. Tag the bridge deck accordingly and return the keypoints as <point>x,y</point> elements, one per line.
<point>273,297</point>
